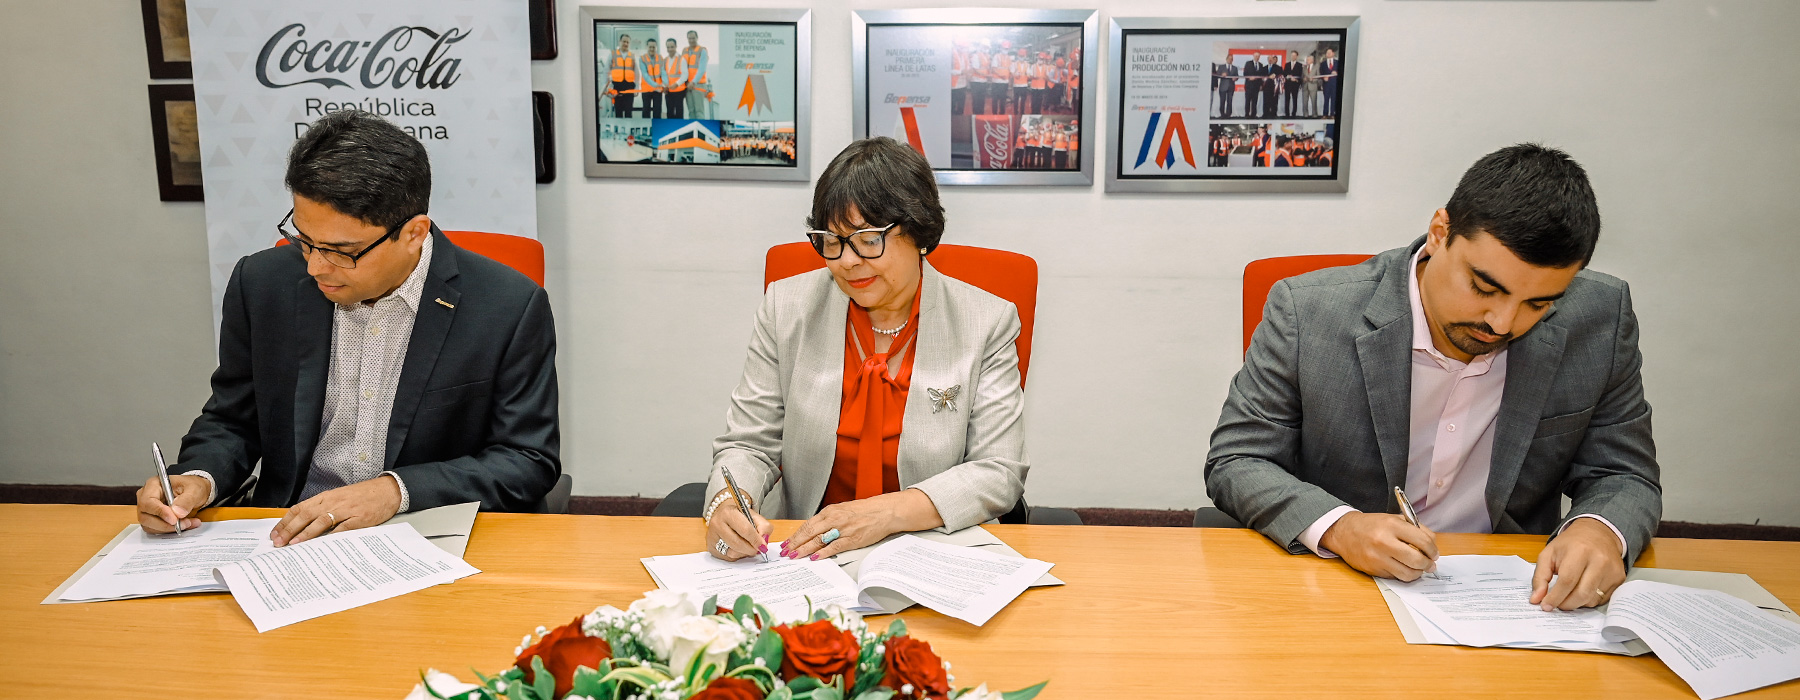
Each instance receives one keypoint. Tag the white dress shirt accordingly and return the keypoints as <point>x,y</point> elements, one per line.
<point>368,349</point>
<point>1455,406</point>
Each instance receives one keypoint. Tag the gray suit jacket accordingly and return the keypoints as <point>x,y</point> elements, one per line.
<point>1319,415</point>
<point>781,431</point>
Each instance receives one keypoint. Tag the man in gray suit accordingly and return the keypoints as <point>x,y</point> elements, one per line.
<point>1482,368</point>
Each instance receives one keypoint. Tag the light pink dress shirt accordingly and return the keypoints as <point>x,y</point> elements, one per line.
<point>1454,408</point>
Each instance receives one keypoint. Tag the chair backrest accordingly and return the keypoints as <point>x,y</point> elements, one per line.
<point>517,252</point>
<point>1007,275</point>
<point>1261,275</point>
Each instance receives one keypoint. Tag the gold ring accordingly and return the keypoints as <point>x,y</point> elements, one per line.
<point>1600,592</point>
<point>333,519</point>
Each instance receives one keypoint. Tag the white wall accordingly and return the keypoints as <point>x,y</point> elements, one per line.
<point>1681,110</point>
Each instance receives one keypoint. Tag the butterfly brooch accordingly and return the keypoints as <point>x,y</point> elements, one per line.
<point>943,399</point>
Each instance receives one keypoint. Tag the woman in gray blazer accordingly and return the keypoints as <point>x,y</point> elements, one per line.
<point>879,396</point>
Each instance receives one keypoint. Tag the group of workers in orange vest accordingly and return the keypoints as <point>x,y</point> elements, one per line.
<point>989,79</point>
<point>1271,151</point>
<point>1047,146</point>
<point>671,84</point>
<point>778,147</point>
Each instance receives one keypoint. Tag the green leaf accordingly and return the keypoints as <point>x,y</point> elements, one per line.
<point>767,648</point>
<point>764,677</point>
<point>897,629</point>
<point>744,607</point>
<point>541,680</point>
<point>782,693</point>
<point>805,684</point>
<point>876,694</point>
<point>1025,693</point>
<point>827,693</point>
<point>710,606</point>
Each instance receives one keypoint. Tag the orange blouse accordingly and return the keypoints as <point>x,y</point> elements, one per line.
<point>867,462</point>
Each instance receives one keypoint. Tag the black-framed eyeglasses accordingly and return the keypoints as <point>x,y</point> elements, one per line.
<point>335,257</point>
<point>868,242</point>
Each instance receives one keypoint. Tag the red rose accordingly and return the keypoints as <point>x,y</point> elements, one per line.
<point>818,649</point>
<point>562,650</point>
<point>723,688</point>
<point>910,662</point>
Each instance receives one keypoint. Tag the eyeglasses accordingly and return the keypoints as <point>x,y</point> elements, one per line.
<point>868,242</point>
<point>335,257</point>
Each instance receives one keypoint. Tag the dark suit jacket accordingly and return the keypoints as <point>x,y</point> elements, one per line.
<point>1319,416</point>
<point>474,413</point>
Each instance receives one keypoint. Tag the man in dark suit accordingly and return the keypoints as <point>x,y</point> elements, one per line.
<point>1482,368</point>
<point>1227,81</point>
<point>1253,82</point>
<point>372,366</point>
<point>1331,69</point>
<point>1267,101</point>
<point>1290,85</point>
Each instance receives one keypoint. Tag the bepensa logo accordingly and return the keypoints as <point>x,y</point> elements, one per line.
<point>1175,129</point>
<point>915,100</point>
<point>378,63</point>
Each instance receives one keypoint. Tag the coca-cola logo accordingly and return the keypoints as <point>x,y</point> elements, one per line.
<point>996,142</point>
<point>289,58</point>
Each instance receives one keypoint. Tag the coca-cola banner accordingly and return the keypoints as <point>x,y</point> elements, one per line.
<point>453,73</point>
<point>994,137</point>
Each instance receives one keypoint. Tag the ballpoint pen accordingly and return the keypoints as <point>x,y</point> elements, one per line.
<point>744,508</point>
<point>1406,510</point>
<point>162,475</point>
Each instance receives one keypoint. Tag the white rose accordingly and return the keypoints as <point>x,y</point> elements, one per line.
<point>663,611</point>
<point>981,692</point>
<point>710,638</point>
<point>445,684</point>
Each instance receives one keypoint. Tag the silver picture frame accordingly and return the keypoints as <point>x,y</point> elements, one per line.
<point>1338,181</point>
<point>800,171</point>
<point>862,20</point>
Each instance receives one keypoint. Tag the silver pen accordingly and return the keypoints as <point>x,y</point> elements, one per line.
<point>1406,510</point>
<point>162,474</point>
<point>744,508</point>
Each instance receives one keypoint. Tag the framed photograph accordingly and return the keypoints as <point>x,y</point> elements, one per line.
<point>166,39</point>
<point>175,130</point>
<point>543,133</point>
<point>1239,104</point>
<point>696,93</point>
<point>543,29</point>
<point>990,97</point>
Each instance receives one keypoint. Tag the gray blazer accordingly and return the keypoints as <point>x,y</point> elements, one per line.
<point>1319,415</point>
<point>784,414</point>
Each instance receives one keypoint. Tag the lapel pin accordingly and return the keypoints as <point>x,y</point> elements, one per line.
<point>943,399</point>
<point>446,304</point>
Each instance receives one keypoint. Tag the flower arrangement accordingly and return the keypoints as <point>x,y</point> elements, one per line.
<point>663,648</point>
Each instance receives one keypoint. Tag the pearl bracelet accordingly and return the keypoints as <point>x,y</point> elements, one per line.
<point>720,498</point>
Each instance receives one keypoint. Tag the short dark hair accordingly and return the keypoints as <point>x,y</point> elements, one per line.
<point>1534,199</point>
<point>888,182</point>
<point>363,166</point>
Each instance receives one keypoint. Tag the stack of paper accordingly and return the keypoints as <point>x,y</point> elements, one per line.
<point>277,587</point>
<point>965,581</point>
<point>1720,644</point>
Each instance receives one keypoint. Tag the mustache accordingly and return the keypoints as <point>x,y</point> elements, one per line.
<point>1485,329</point>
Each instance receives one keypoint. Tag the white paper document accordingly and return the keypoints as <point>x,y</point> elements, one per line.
<point>337,572</point>
<point>143,564</point>
<point>1484,601</point>
<point>1717,643</point>
<point>790,588</point>
<point>967,583</point>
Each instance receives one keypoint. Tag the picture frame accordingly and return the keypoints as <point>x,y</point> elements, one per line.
<point>543,132</point>
<point>542,16</point>
<point>1230,104</point>
<point>166,39</point>
<point>175,133</point>
<point>1025,124</point>
<point>746,116</point>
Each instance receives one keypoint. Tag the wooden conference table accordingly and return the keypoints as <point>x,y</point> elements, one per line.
<point>1147,612</point>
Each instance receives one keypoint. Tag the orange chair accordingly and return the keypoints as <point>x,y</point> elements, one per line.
<point>1010,276</point>
<point>1261,275</point>
<point>517,252</point>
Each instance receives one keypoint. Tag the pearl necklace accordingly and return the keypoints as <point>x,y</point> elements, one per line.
<point>895,333</point>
